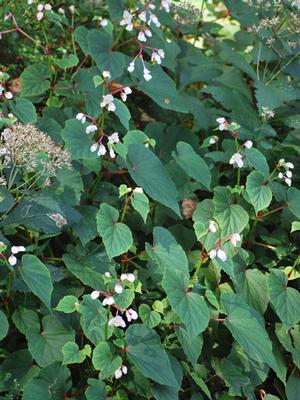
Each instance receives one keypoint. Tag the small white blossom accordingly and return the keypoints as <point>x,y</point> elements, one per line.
<point>106,74</point>
<point>12,260</point>
<point>127,18</point>
<point>118,288</point>
<point>91,128</point>
<point>117,321</point>
<point>213,140</point>
<point>114,138</point>
<point>288,181</point>
<point>223,124</point>
<point>124,369</point>
<point>95,294</point>
<point>107,274</point>
<point>103,22</point>
<point>94,147</point>
<point>289,165</point>
<point>143,16</point>
<point>153,18</point>
<point>234,238</point>
<point>8,95</point>
<point>131,67</point>
<point>142,37</point>
<point>48,7</point>
<point>17,249</point>
<point>112,153</point>
<point>127,277</point>
<point>108,101</point>
<point>39,16</point>
<point>221,255</point>
<point>102,150</point>
<point>147,74</point>
<point>213,226</point>
<point>127,90</point>
<point>40,7</point>
<point>236,160</point>
<point>289,174</point>
<point>81,117</point>
<point>61,10</point>
<point>212,254</point>
<point>108,301</point>
<point>72,9</point>
<point>29,2</point>
<point>148,33</point>
<point>118,373</point>
<point>166,5</point>
<point>138,190</point>
<point>131,314</point>
<point>248,144</point>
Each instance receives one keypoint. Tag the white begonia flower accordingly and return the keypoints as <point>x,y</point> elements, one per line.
<point>91,128</point>
<point>222,123</point>
<point>213,140</point>
<point>106,74</point>
<point>234,238</point>
<point>117,321</point>
<point>289,174</point>
<point>108,301</point>
<point>236,160</point>
<point>8,95</point>
<point>95,294</point>
<point>142,37</point>
<point>288,181</point>
<point>153,18</point>
<point>131,67</point>
<point>118,373</point>
<point>81,117</point>
<point>127,90</point>
<point>289,165</point>
<point>107,274</point>
<point>127,18</point>
<point>212,254</point>
<point>114,138</point>
<point>221,255</point>
<point>17,249</point>
<point>103,22</point>
<point>61,10</point>
<point>280,175</point>
<point>138,190</point>
<point>94,147</point>
<point>102,150</point>
<point>12,260</point>
<point>29,2</point>
<point>166,5</point>
<point>127,277</point>
<point>72,9</point>
<point>248,144</point>
<point>118,288</point>
<point>40,7</point>
<point>147,74</point>
<point>1,89</point>
<point>143,16</point>
<point>39,16</point>
<point>108,101</point>
<point>281,162</point>
<point>148,33</point>
<point>124,369</point>
<point>213,226</point>
<point>112,153</point>
<point>48,7</point>
<point>131,314</point>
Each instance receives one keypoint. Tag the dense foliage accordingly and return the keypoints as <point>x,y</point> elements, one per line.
<point>149,199</point>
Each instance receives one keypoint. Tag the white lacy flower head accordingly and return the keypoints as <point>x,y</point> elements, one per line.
<point>108,301</point>
<point>106,74</point>
<point>127,277</point>
<point>248,144</point>
<point>108,101</point>
<point>117,321</point>
<point>91,128</point>
<point>81,117</point>
<point>114,138</point>
<point>131,67</point>
<point>236,160</point>
<point>213,226</point>
<point>131,314</point>
<point>17,249</point>
<point>223,124</point>
<point>127,20</point>
<point>234,238</point>
<point>118,288</point>
<point>95,294</point>
<point>147,74</point>
<point>126,91</point>
<point>218,253</point>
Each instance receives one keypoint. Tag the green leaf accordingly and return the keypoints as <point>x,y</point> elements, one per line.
<point>232,218</point>
<point>122,113</point>
<point>190,306</point>
<point>106,359</point>
<point>25,319</point>
<point>149,317</point>
<point>140,203</point>
<point>6,199</point>
<point>148,172</point>
<point>258,161</point>
<point>192,347</point>
<point>147,354</point>
<point>35,80</point>
<point>67,304</point>
<point>72,354</point>
<point>192,163</point>
<point>254,290</point>
<point>123,300</point>
<point>24,110</point>
<point>293,196</point>
<point>100,47</point>
<point>37,277</point>
<point>247,328</point>
<point>259,193</point>
<point>285,300</point>
<point>68,61</point>
<point>295,226</point>
<point>3,325</point>
<point>293,386</point>
<point>117,237</point>
<point>96,390</point>
<point>46,346</point>
<point>200,382</point>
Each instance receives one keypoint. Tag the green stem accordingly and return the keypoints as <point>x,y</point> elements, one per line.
<point>297,261</point>
<point>282,68</point>
<point>72,35</point>
<point>127,200</point>
<point>194,278</point>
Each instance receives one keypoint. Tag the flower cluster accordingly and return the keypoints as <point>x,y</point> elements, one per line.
<point>3,93</point>
<point>12,259</point>
<point>27,147</point>
<point>286,176</point>
<point>41,8</point>
<point>218,251</point>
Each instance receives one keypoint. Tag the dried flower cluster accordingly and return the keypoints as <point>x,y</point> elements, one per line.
<point>28,147</point>
<point>185,13</point>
